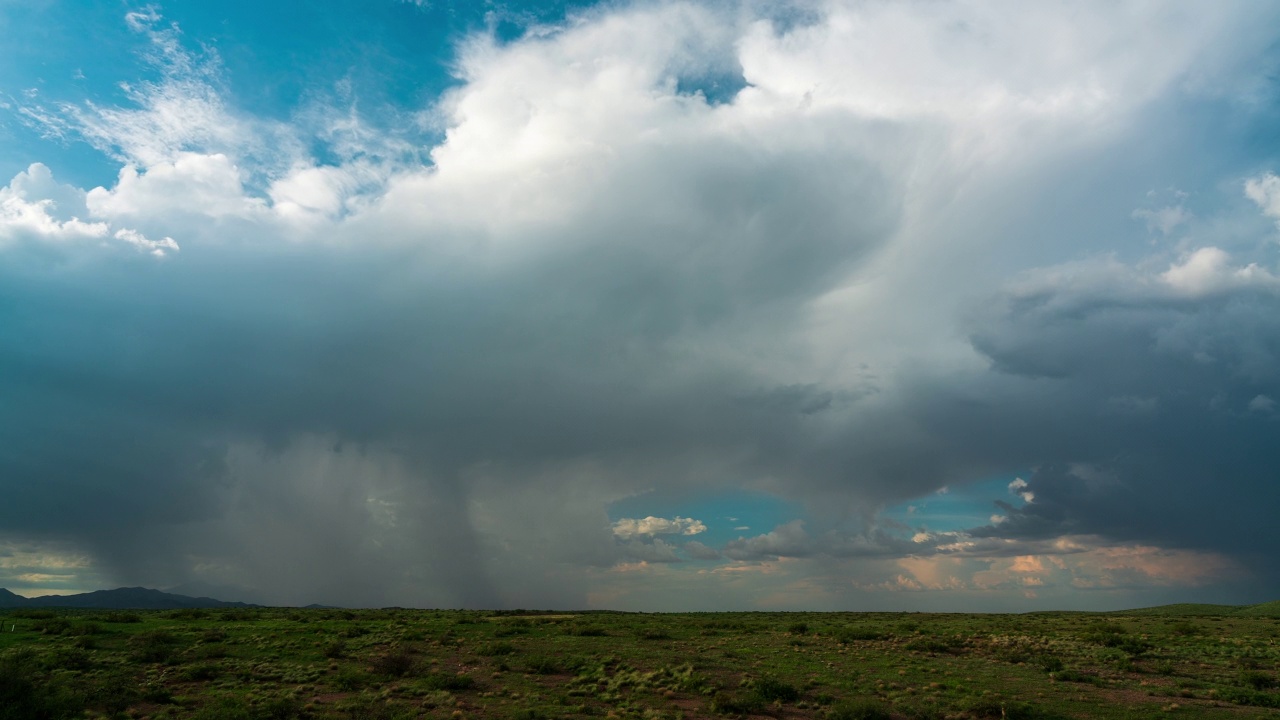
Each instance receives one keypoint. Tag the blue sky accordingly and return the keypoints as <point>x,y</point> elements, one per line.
<point>645,305</point>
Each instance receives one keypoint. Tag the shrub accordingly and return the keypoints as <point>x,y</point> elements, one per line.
<point>726,704</point>
<point>156,693</point>
<point>1255,698</point>
<point>350,679</point>
<point>937,645</point>
<point>848,636</point>
<point>53,626</point>
<point>113,694</point>
<point>283,707</point>
<point>226,709</point>
<point>543,665</point>
<point>156,646</point>
<point>69,659</point>
<point>653,634</point>
<point>373,708</point>
<point>445,681</point>
<point>1049,663</point>
<point>83,629</point>
<point>1257,680</point>
<point>336,649</point>
<point>23,695</point>
<point>771,690</point>
<point>859,710</point>
<point>34,614</point>
<point>122,617</point>
<point>996,707</point>
<point>497,649</point>
<point>187,614</point>
<point>395,663</point>
<point>798,628</point>
<point>203,671</point>
<point>1074,676</point>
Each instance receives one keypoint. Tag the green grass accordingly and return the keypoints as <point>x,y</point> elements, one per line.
<point>1267,609</point>
<point>286,664</point>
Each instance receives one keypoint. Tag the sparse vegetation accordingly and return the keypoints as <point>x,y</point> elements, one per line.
<point>266,664</point>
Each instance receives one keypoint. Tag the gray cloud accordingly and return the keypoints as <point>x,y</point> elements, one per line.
<point>430,394</point>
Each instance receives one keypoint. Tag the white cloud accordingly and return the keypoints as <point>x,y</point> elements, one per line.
<point>27,209</point>
<point>193,184</point>
<point>1019,487</point>
<point>1264,190</point>
<point>156,247</point>
<point>650,526</point>
<point>34,207</point>
<point>1207,270</point>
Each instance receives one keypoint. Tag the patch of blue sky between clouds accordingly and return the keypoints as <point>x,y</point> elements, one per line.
<point>387,60</point>
<point>957,509</point>
<point>728,515</point>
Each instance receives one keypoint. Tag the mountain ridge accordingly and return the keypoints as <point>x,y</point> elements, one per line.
<point>124,598</point>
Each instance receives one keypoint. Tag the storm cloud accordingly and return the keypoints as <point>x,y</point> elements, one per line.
<point>845,258</point>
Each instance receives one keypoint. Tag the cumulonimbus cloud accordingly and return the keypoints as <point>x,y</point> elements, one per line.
<point>848,281</point>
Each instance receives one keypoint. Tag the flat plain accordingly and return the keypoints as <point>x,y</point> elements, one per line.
<point>273,663</point>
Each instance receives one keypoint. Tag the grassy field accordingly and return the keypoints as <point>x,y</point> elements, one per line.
<point>1193,661</point>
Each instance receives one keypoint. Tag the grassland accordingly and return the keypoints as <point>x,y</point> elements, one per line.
<point>262,664</point>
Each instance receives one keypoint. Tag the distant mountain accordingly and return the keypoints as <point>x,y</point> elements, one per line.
<point>133,598</point>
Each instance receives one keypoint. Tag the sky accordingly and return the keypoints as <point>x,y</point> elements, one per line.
<point>939,305</point>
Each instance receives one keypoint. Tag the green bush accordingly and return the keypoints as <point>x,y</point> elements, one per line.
<point>859,710</point>
<point>1075,676</point>
<point>773,690</point>
<point>122,617</point>
<point>446,681</point>
<point>24,695</point>
<point>394,663</point>
<point>848,636</point>
<point>201,672</point>
<point>226,709</point>
<point>350,679</point>
<point>543,665</point>
<point>34,614</point>
<point>155,646</point>
<point>1257,680</point>
<point>1049,663</point>
<point>1255,698</point>
<point>937,645</point>
<point>726,704</point>
<point>374,708</point>
<point>996,707</point>
<point>53,626</point>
